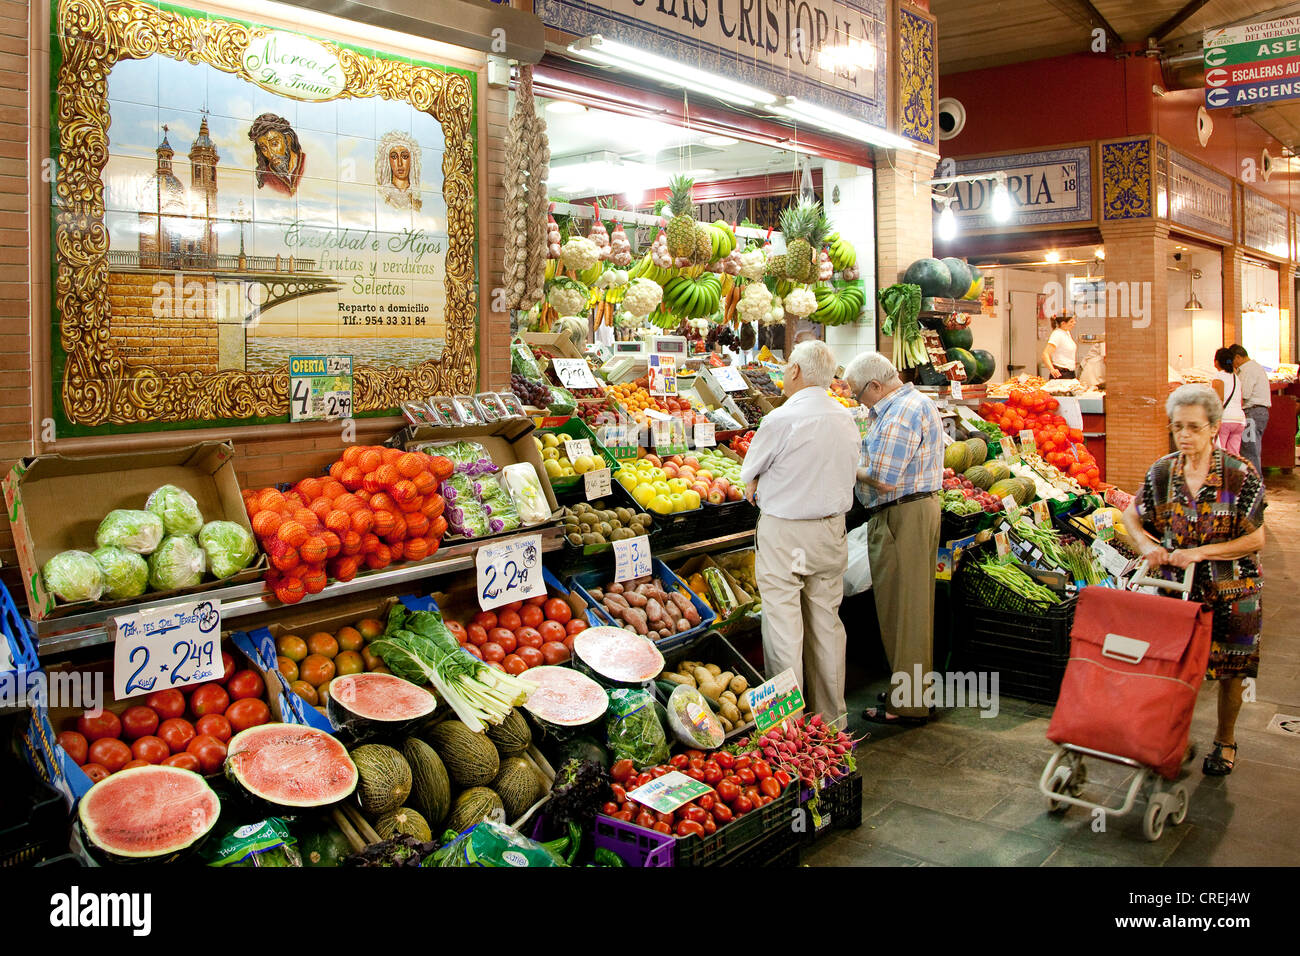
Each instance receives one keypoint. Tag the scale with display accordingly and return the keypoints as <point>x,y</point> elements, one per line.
<point>627,362</point>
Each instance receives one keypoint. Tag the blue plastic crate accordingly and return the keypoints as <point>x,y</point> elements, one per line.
<point>591,579</point>
<point>21,648</point>
<point>554,585</point>
<point>259,646</point>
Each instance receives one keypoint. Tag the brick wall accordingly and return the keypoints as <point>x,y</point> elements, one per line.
<point>181,339</point>
<point>904,217</point>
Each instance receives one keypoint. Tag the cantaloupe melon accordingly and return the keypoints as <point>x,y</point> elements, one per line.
<point>385,778</point>
<point>980,477</point>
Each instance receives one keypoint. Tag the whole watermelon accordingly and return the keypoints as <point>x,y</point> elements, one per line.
<point>960,277</point>
<point>931,275</point>
<point>957,338</point>
<point>966,359</point>
<point>985,363</point>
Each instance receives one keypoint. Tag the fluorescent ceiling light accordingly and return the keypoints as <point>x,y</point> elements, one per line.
<point>1101,252</point>
<point>852,56</point>
<point>641,63</point>
<point>803,112</point>
<point>720,141</point>
<point>1052,256</point>
<point>600,173</point>
<point>565,106</point>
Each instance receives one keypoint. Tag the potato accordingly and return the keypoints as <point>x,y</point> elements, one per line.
<point>713,669</point>
<point>728,695</point>
<point>678,678</point>
<point>739,685</point>
<point>729,712</point>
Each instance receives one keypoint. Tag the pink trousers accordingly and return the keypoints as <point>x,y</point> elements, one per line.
<point>1230,436</point>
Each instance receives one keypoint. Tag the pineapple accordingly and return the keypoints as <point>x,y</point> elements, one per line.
<point>682,241</point>
<point>703,245</point>
<point>804,228</point>
<point>776,266</point>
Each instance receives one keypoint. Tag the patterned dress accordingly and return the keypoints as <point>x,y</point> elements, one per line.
<point>1229,505</point>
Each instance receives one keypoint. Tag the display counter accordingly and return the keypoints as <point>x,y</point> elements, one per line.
<point>1278,450</point>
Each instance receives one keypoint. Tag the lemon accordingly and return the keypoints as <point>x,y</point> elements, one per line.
<point>538,442</point>
<point>567,471</point>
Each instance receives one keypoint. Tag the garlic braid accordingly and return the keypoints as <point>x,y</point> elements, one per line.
<point>540,154</point>
<point>514,251</point>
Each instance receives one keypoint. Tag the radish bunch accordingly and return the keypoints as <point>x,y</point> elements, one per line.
<point>809,749</point>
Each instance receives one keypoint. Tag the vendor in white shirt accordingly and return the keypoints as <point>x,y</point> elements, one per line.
<point>1060,355</point>
<point>800,470</point>
<point>1256,402</point>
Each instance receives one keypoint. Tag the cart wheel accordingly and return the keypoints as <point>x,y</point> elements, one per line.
<point>1078,778</point>
<point>1179,797</point>
<point>1059,783</point>
<point>1153,820</point>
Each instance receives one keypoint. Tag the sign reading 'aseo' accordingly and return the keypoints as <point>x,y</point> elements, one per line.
<point>294,65</point>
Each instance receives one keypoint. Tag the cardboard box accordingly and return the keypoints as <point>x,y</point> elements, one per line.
<point>559,345</point>
<point>56,504</point>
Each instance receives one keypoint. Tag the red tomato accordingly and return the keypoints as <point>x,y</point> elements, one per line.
<point>769,787</point>
<point>514,664</point>
<point>531,615</point>
<point>727,791</point>
<point>743,761</point>
<point>746,776</point>
<point>557,609</point>
<point>689,827</point>
<point>96,772</point>
<point>724,760</point>
<point>708,801</point>
<point>209,699</point>
<point>762,769</point>
<point>249,712</point>
<point>782,778</point>
<point>166,703</point>
<point>554,652</point>
<point>641,780</point>
<point>184,760</point>
<point>551,631</point>
<point>742,805</point>
<point>622,771</point>
<point>663,828</point>
<point>457,631</point>
<point>139,721</point>
<point>710,826</point>
<point>532,656</point>
<point>505,638</point>
<point>476,634</point>
<point>698,814</point>
<point>107,724</point>
<point>532,637</point>
<point>695,774</point>
<point>210,751</point>
<point>486,620</point>
<point>645,819</point>
<point>475,650</point>
<point>510,620</point>
<point>513,606</point>
<point>132,764</point>
<point>712,773</point>
<point>753,794</point>
<point>496,665</point>
<point>574,626</point>
<point>568,642</point>
<point>244,684</point>
<point>536,601</point>
<point>609,809</point>
<point>721,812</point>
<point>492,651</point>
<point>76,746</point>
<point>176,733</point>
<point>496,633</point>
<point>214,725</point>
<point>619,793</point>
<point>227,668</point>
<point>110,753</point>
<point>624,815</point>
<point>150,749</point>
<point>679,761</point>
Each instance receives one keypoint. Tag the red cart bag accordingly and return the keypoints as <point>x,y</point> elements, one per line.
<point>1136,664</point>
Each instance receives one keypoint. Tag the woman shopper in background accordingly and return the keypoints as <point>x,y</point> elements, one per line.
<point>1227,385</point>
<point>1203,506</point>
<point>1060,355</point>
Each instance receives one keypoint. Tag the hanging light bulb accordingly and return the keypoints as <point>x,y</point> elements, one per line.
<point>947,222</point>
<point>1001,205</point>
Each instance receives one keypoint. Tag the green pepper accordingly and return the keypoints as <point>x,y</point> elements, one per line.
<point>606,857</point>
<point>575,842</point>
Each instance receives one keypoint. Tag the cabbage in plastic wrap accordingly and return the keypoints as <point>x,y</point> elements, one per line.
<point>74,576</point>
<point>126,575</point>
<point>138,531</point>
<point>229,547</point>
<point>457,488</point>
<point>178,563</point>
<point>468,518</point>
<point>179,511</point>
<point>469,457</point>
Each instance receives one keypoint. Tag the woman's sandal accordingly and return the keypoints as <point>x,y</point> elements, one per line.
<point>878,715</point>
<point>1216,764</point>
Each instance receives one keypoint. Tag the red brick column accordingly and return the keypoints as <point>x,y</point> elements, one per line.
<point>904,217</point>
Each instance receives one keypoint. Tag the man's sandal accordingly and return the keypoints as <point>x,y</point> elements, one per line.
<point>1216,764</point>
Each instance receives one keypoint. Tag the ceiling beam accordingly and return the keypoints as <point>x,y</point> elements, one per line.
<point>1178,19</point>
<point>1084,12</point>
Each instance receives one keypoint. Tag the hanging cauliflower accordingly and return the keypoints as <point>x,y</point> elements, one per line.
<point>753,264</point>
<point>568,296</point>
<point>642,297</point>
<point>579,254</point>
<point>801,302</point>
<point>755,302</point>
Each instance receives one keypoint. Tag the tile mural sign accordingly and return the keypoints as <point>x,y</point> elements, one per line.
<point>1052,186</point>
<point>232,196</point>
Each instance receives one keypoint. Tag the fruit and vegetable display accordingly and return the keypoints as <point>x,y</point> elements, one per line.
<point>757,377</point>
<point>724,691</point>
<point>521,635</point>
<point>599,522</point>
<point>752,411</point>
<point>740,443</point>
<point>164,546</point>
<point>652,488</point>
<point>555,459</point>
<point>1056,442</point>
<point>309,664</point>
<point>1017,581</point>
<point>646,607</point>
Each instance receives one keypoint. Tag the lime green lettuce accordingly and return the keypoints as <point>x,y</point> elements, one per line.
<point>138,531</point>
<point>73,576</point>
<point>126,575</point>
<point>229,547</point>
<point>177,508</point>
<point>178,563</point>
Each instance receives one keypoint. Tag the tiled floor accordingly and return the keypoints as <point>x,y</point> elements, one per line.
<point>963,790</point>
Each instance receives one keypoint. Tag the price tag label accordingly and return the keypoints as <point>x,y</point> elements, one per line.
<point>1104,523</point>
<point>665,794</point>
<point>320,387</point>
<point>954,390</point>
<point>776,700</point>
<point>943,565</point>
<point>576,447</point>
<point>1009,453</point>
<point>574,373</point>
<point>704,435</point>
<point>1028,444</point>
<point>1042,515</point>
<point>509,571</point>
<point>632,558</point>
<point>166,647</point>
<point>729,377</point>
<point>661,370</point>
<point>1114,562</point>
<point>1011,507</point>
<point>669,438</point>
<point>597,483</point>
<point>1003,542</point>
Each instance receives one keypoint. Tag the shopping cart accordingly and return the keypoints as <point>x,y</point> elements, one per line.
<point>1137,660</point>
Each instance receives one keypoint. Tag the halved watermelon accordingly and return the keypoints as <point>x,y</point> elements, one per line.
<point>288,765</point>
<point>152,814</point>
<point>617,656</point>
<point>371,703</point>
<point>564,697</point>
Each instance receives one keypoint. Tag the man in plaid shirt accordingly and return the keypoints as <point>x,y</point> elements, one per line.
<point>899,483</point>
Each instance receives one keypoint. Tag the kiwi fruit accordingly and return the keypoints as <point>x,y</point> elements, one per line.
<point>591,539</point>
<point>575,540</point>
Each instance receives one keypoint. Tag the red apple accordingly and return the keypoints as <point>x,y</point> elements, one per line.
<point>704,474</point>
<point>717,497</point>
<point>654,460</point>
<point>670,470</point>
<point>733,494</point>
<point>690,461</point>
<point>722,484</point>
<point>701,488</point>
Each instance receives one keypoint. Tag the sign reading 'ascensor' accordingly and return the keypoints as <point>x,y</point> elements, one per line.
<point>294,66</point>
<point>1254,63</point>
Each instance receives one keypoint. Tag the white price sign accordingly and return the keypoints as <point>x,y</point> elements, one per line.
<point>704,435</point>
<point>166,647</point>
<point>509,571</point>
<point>597,483</point>
<point>662,373</point>
<point>574,373</point>
<point>954,390</point>
<point>729,377</point>
<point>576,447</point>
<point>1104,523</point>
<point>1111,560</point>
<point>632,558</point>
<point>1028,444</point>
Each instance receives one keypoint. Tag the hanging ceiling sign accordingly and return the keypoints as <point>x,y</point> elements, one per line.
<point>1052,186</point>
<point>1252,64</point>
<point>1264,224</point>
<point>833,53</point>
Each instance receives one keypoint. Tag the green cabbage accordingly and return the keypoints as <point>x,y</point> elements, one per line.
<point>73,576</point>
<point>178,563</point>
<point>126,575</point>
<point>138,531</point>
<point>179,511</point>
<point>229,547</point>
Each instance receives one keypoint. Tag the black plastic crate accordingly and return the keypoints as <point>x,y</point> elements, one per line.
<point>36,819</point>
<point>1029,651</point>
<point>973,587</point>
<point>953,526</point>
<point>839,807</point>
<point>713,648</point>
<point>779,849</point>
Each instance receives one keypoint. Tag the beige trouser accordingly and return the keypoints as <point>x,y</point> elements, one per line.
<point>799,569</point>
<point>903,543</point>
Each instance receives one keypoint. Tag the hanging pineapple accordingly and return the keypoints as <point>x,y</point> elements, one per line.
<point>804,228</point>
<point>683,242</point>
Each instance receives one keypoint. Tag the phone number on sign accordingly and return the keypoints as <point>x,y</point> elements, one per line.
<point>383,320</point>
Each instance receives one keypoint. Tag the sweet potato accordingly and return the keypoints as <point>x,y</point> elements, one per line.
<point>616,600</point>
<point>635,599</point>
<point>597,594</point>
<point>636,617</point>
<point>615,588</point>
<point>654,610</point>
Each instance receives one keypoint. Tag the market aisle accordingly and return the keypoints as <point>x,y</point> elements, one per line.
<point>963,790</point>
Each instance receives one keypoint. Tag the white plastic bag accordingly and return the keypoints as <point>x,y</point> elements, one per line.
<point>525,489</point>
<point>857,573</point>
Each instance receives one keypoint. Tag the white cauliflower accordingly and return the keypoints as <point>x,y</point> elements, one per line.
<point>568,297</point>
<point>755,302</point>
<point>753,264</point>
<point>777,314</point>
<point>579,254</point>
<point>801,302</point>
<point>642,297</point>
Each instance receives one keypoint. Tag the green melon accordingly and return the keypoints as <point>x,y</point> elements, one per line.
<point>517,786</point>
<point>1007,487</point>
<point>1029,490</point>
<point>980,477</point>
<point>967,360</point>
<point>979,450</point>
<point>403,820</point>
<point>931,275</point>
<point>470,758</point>
<point>976,283</point>
<point>957,338</point>
<point>998,470</point>
<point>985,364</point>
<point>472,807</point>
<point>512,735</point>
<point>430,785</point>
<point>960,273</point>
<point>385,778</point>
<point>956,456</point>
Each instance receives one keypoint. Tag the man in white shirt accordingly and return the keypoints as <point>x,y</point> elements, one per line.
<point>800,471</point>
<point>1256,401</point>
